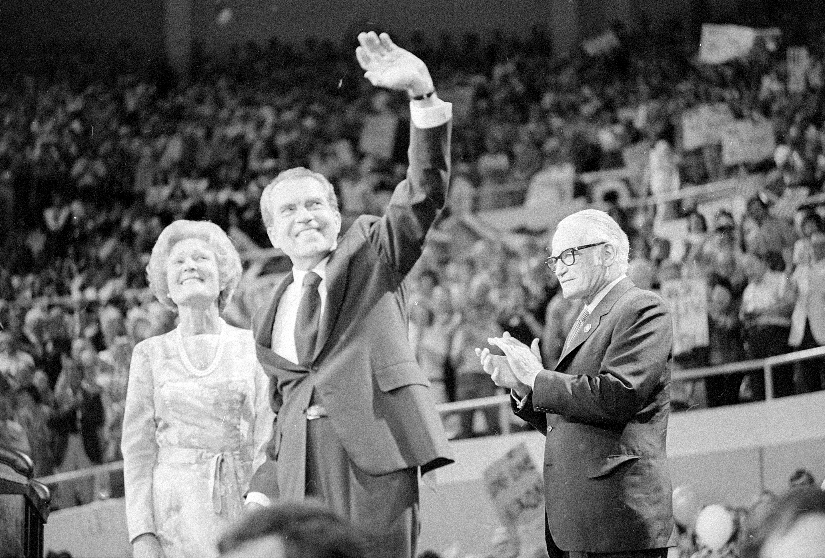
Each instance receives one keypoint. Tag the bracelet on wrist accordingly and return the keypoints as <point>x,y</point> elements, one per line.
<point>422,97</point>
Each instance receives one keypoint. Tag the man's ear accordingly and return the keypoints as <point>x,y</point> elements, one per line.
<point>272,238</point>
<point>338,221</point>
<point>610,255</point>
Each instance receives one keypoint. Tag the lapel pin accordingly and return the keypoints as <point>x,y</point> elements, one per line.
<point>586,328</point>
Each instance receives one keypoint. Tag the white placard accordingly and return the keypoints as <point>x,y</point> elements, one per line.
<point>748,141</point>
<point>688,301</point>
<point>722,43</point>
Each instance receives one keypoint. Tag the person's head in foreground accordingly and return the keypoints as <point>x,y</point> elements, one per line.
<point>793,528</point>
<point>292,530</point>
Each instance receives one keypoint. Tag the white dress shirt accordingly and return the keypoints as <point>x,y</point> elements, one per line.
<point>283,327</point>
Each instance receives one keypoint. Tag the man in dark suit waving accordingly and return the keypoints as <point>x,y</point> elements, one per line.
<point>604,406</point>
<point>355,420</point>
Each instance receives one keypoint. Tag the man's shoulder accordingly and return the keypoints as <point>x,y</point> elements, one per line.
<point>637,297</point>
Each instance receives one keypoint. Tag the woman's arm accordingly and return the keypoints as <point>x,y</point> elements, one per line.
<point>264,417</point>
<point>139,446</point>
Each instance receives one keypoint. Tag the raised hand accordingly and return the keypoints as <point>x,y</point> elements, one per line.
<point>388,65</point>
<point>524,362</point>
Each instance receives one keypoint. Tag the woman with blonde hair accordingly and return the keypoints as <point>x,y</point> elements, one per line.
<point>197,416</point>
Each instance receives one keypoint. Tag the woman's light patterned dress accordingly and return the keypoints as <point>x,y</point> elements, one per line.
<point>192,439</point>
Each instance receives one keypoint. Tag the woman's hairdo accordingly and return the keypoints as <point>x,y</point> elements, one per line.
<point>229,262</point>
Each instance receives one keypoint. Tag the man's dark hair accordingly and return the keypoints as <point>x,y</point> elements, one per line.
<point>802,477</point>
<point>306,531</point>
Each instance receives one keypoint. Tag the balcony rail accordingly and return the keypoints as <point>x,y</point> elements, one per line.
<point>502,401</point>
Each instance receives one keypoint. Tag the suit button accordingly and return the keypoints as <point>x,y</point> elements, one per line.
<point>549,428</point>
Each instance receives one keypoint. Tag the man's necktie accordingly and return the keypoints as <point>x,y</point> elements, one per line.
<point>309,318</point>
<point>576,328</point>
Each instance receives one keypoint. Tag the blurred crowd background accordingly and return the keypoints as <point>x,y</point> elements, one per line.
<point>98,154</point>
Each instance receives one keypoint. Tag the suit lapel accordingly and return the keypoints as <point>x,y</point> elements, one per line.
<point>592,322</point>
<point>263,332</point>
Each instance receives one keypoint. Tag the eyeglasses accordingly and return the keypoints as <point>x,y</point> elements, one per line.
<point>568,257</point>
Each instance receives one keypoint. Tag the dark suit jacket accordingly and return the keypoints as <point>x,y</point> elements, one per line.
<point>604,411</point>
<point>364,371</point>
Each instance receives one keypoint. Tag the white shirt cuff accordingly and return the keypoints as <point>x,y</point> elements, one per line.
<point>258,498</point>
<point>431,116</point>
<point>531,380</point>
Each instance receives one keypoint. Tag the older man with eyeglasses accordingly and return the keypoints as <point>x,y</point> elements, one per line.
<point>603,406</point>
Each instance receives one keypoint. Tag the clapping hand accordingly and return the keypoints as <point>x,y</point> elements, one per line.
<point>514,370</point>
<point>523,362</point>
<point>498,369</point>
<point>388,65</point>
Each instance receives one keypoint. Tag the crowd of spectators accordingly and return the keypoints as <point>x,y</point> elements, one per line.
<point>96,160</point>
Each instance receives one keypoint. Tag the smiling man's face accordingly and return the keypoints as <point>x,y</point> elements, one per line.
<point>305,226</point>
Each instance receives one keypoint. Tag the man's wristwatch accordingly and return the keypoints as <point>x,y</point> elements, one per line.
<point>422,97</point>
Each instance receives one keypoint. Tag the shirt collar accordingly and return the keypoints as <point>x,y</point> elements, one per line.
<point>321,269</point>
<point>603,293</point>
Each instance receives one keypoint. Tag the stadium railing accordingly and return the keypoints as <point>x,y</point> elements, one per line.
<point>767,366</point>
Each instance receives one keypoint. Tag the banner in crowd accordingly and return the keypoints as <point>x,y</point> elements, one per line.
<point>378,135</point>
<point>602,44</point>
<point>730,194</point>
<point>747,141</point>
<point>703,125</point>
<point>723,43</point>
<point>798,63</point>
<point>534,218</point>
<point>516,487</point>
<point>689,308</point>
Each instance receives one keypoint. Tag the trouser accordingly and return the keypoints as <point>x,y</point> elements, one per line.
<point>384,508</point>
